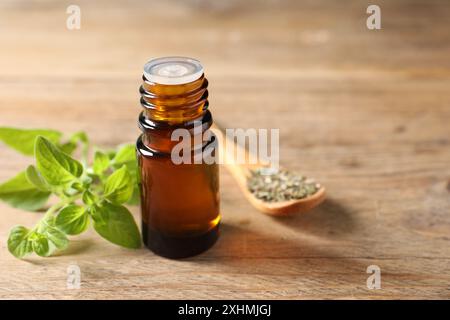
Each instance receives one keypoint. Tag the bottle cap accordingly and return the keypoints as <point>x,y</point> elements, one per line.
<point>173,70</point>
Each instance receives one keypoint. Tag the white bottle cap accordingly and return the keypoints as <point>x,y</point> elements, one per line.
<point>173,70</point>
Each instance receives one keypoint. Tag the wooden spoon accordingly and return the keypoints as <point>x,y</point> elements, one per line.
<point>242,172</point>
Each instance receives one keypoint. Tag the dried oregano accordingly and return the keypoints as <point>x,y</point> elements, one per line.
<point>275,185</point>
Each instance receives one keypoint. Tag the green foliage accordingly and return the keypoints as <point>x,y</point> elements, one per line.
<point>116,224</point>
<point>101,162</point>
<point>87,194</point>
<point>56,167</point>
<point>18,192</point>
<point>23,140</point>
<point>72,219</point>
<point>118,186</point>
<point>19,243</point>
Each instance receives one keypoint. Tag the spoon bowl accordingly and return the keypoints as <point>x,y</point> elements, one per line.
<point>241,173</point>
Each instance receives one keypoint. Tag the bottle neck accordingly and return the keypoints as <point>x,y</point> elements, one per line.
<point>170,107</point>
<point>174,104</point>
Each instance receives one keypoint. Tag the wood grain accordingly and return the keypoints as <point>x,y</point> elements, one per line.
<point>364,112</point>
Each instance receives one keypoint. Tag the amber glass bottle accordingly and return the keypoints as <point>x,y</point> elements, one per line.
<point>179,202</point>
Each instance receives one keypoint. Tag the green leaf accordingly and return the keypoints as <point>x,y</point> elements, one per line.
<point>48,238</point>
<point>68,147</point>
<point>96,213</point>
<point>101,162</point>
<point>116,224</point>
<point>111,154</point>
<point>22,140</point>
<point>35,178</point>
<point>136,197</point>
<point>40,245</point>
<point>119,186</point>
<point>126,153</point>
<point>18,242</point>
<point>79,136</point>
<point>78,186</point>
<point>56,237</point>
<point>89,198</point>
<point>72,220</point>
<point>18,192</point>
<point>56,167</point>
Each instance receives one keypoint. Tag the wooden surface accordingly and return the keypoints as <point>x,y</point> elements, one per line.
<point>367,113</point>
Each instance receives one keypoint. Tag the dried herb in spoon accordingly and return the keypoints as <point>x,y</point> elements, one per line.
<point>271,185</point>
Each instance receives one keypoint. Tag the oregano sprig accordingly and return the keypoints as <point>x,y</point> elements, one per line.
<point>87,194</point>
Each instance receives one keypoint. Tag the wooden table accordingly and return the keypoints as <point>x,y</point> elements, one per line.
<point>366,112</point>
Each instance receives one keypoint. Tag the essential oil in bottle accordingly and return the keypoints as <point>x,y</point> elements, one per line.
<point>179,201</point>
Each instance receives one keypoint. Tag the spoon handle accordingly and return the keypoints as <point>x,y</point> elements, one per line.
<point>227,148</point>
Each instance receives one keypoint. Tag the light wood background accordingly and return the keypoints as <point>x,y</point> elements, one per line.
<point>367,113</point>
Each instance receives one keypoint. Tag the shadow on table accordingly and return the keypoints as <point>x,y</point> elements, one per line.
<point>329,220</point>
<point>77,247</point>
<point>320,247</point>
<point>252,253</point>
<point>242,247</point>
